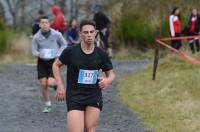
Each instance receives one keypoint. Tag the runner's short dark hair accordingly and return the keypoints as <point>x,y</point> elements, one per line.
<point>87,22</point>
<point>44,17</point>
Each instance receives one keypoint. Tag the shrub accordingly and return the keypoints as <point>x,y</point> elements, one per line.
<point>140,22</point>
<point>4,36</point>
<point>135,32</point>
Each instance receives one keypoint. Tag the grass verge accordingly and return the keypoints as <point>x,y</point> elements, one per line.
<point>130,53</point>
<point>169,104</point>
<point>18,51</point>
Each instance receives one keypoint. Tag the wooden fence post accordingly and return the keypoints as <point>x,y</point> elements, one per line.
<point>156,60</point>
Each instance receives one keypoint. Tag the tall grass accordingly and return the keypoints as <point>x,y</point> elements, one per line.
<point>135,32</point>
<point>169,104</point>
<point>18,51</point>
<point>4,37</point>
<point>130,53</point>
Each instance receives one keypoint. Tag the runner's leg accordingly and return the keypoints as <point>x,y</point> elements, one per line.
<point>197,45</point>
<point>44,89</point>
<point>91,118</point>
<point>51,82</point>
<point>192,47</point>
<point>75,121</point>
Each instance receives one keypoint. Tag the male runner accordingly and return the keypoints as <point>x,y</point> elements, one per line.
<point>84,86</point>
<point>47,44</point>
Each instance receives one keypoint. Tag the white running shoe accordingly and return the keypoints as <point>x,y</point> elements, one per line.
<point>47,109</point>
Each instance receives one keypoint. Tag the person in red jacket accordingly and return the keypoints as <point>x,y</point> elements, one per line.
<point>193,28</point>
<point>175,27</point>
<point>59,23</point>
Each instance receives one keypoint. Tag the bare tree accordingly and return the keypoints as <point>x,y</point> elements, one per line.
<point>2,16</point>
<point>2,12</point>
<point>22,18</point>
<point>62,4</point>
<point>76,12</point>
<point>22,11</point>
<point>86,7</point>
<point>13,7</point>
<point>71,8</point>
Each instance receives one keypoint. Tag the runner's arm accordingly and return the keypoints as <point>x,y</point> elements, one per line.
<point>35,51</point>
<point>57,74</point>
<point>171,26</point>
<point>62,43</point>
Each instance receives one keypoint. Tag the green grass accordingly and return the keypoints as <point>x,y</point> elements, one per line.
<point>169,104</point>
<point>132,54</point>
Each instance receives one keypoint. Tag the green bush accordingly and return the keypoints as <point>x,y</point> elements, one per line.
<point>3,40</point>
<point>135,32</point>
<point>6,35</point>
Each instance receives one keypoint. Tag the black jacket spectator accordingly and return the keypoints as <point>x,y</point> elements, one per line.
<point>101,20</point>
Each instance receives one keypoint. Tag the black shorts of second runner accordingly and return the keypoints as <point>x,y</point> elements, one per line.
<point>44,68</point>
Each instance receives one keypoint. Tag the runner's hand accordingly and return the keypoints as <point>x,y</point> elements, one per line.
<point>104,82</point>
<point>60,94</point>
<point>40,55</point>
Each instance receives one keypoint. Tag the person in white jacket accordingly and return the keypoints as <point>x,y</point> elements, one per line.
<point>175,27</point>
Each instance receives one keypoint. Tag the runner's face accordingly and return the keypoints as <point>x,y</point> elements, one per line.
<point>44,24</point>
<point>88,34</point>
<point>194,12</point>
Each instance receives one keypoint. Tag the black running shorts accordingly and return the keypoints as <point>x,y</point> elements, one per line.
<point>44,68</point>
<point>82,107</point>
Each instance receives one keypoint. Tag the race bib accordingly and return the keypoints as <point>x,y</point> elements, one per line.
<point>48,53</point>
<point>87,76</point>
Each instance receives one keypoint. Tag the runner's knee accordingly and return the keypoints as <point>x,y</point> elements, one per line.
<point>43,84</point>
<point>51,82</point>
<point>91,128</point>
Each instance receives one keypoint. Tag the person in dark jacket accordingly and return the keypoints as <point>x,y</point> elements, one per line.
<point>36,23</point>
<point>102,25</point>
<point>193,28</point>
<point>73,33</point>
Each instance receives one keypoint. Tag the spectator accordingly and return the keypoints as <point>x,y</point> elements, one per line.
<point>175,27</point>
<point>72,33</point>
<point>102,25</point>
<point>193,28</point>
<point>59,23</point>
<point>36,23</point>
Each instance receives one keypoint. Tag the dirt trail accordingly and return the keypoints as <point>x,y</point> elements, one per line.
<point>21,107</point>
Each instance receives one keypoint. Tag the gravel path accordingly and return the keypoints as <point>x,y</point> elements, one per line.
<point>20,103</point>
